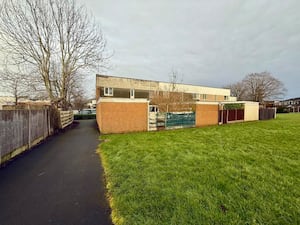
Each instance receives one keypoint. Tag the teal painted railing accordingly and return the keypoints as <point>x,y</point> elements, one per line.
<point>185,119</point>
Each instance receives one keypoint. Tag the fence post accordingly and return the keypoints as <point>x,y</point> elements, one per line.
<point>222,115</point>
<point>235,114</point>
<point>48,121</point>
<point>29,127</point>
<point>227,115</point>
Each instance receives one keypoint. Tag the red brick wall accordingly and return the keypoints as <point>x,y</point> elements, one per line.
<point>98,115</point>
<point>121,117</point>
<point>206,115</point>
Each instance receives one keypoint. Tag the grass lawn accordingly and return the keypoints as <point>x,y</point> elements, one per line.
<point>246,173</point>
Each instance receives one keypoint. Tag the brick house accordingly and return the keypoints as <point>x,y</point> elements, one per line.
<point>292,104</point>
<point>128,105</point>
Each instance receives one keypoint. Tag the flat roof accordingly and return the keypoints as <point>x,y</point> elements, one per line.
<point>137,79</point>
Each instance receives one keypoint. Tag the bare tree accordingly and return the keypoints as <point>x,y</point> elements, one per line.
<point>174,80</point>
<point>172,99</point>
<point>258,87</point>
<point>79,101</point>
<point>263,86</point>
<point>14,83</point>
<point>55,38</point>
<point>76,96</point>
<point>237,90</point>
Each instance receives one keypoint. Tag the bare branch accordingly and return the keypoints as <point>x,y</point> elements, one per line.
<point>55,38</point>
<point>258,87</point>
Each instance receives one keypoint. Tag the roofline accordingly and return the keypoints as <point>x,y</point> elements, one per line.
<point>290,99</point>
<point>122,100</point>
<point>101,75</point>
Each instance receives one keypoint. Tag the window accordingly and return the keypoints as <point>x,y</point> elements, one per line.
<point>108,91</point>
<point>196,96</point>
<point>204,96</point>
<point>226,98</point>
<point>131,93</point>
<point>153,108</point>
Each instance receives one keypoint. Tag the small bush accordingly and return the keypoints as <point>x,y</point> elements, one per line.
<point>234,106</point>
<point>282,110</point>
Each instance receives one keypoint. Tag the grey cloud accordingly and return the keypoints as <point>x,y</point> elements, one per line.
<point>210,42</point>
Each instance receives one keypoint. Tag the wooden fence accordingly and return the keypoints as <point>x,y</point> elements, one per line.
<point>22,129</point>
<point>231,115</point>
<point>66,118</point>
<point>267,114</point>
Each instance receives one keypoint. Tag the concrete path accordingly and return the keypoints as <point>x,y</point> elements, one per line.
<point>59,182</point>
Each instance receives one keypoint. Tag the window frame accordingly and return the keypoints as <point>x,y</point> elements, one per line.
<point>196,96</point>
<point>108,91</point>
<point>132,93</point>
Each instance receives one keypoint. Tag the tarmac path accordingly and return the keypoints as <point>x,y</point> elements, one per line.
<point>58,182</point>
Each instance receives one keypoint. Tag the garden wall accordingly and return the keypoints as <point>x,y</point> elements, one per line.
<point>251,111</point>
<point>207,114</point>
<point>122,115</point>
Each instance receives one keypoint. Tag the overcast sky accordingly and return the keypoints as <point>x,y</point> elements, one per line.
<point>210,43</point>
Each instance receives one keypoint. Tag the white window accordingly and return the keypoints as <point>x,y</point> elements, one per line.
<point>131,93</point>
<point>196,96</point>
<point>204,96</point>
<point>153,108</point>
<point>108,91</point>
<point>226,98</point>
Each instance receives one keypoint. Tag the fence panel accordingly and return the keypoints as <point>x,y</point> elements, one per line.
<point>39,124</point>
<point>66,118</point>
<point>267,114</point>
<point>240,114</point>
<point>13,130</point>
<point>21,129</point>
<point>231,115</point>
<point>182,119</point>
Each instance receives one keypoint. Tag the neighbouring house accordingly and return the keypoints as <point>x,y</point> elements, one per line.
<point>6,100</point>
<point>92,104</point>
<point>8,103</point>
<point>292,104</point>
<point>26,104</point>
<point>128,105</point>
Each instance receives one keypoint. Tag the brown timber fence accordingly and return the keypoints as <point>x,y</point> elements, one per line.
<point>22,129</point>
<point>267,114</point>
<point>231,115</point>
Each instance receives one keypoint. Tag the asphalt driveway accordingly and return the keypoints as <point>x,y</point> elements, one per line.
<point>58,182</point>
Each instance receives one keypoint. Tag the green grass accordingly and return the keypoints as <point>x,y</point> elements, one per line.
<point>246,173</point>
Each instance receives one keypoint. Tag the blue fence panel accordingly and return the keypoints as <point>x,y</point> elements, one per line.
<point>180,119</point>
